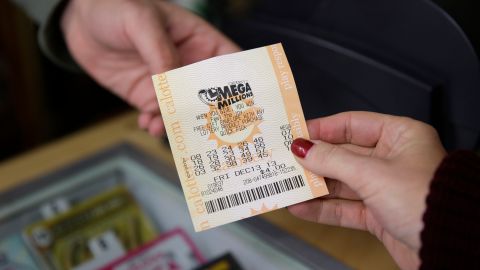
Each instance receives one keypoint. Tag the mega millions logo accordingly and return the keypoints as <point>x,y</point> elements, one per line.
<point>228,95</point>
<point>233,117</point>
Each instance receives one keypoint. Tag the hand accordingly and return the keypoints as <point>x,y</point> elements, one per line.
<point>382,166</point>
<point>121,43</point>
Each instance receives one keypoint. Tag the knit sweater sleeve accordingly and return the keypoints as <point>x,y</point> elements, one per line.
<point>47,14</point>
<point>451,235</point>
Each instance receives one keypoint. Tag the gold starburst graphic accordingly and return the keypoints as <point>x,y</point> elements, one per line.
<point>262,210</point>
<point>234,124</point>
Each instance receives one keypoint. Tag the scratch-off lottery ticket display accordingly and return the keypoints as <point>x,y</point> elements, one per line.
<point>230,121</point>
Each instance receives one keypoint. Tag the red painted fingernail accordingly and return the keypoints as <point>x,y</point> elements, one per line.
<point>300,147</point>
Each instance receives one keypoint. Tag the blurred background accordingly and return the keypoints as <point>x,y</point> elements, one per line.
<point>40,102</point>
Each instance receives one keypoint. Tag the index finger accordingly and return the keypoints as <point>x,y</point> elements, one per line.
<point>359,128</point>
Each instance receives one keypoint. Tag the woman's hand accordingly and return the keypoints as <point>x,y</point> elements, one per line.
<point>378,170</point>
<point>121,43</point>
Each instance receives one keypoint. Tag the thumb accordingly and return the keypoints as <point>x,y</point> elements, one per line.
<point>333,161</point>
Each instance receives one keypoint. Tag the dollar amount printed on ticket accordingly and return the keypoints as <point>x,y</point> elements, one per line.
<point>230,121</point>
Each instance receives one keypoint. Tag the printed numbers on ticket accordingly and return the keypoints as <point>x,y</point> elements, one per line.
<point>230,121</point>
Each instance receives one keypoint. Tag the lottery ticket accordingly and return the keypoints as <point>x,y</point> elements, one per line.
<point>92,233</point>
<point>171,250</point>
<point>230,121</point>
<point>224,262</point>
<point>14,254</point>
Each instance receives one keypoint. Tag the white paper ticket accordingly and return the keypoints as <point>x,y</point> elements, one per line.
<point>230,121</point>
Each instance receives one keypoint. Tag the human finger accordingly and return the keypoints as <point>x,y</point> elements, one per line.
<point>339,190</point>
<point>156,127</point>
<point>359,128</point>
<point>144,120</point>
<point>146,30</point>
<point>361,150</point>
<point>195,38</point>
<point>344,213</point>
<point>141,93</point>
<point>151,105</point>
<point>336,162</point>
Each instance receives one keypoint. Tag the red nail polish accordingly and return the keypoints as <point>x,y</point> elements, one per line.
<point>300,147</point>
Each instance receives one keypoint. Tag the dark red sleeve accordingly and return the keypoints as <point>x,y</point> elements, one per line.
<point>451,234</point>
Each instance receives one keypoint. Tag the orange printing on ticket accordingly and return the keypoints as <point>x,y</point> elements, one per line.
<point>230,121</point>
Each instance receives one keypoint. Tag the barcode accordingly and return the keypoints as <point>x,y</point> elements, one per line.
<point>254,194</point>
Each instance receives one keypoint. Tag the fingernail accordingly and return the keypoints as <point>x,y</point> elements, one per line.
<point>300,147</point>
